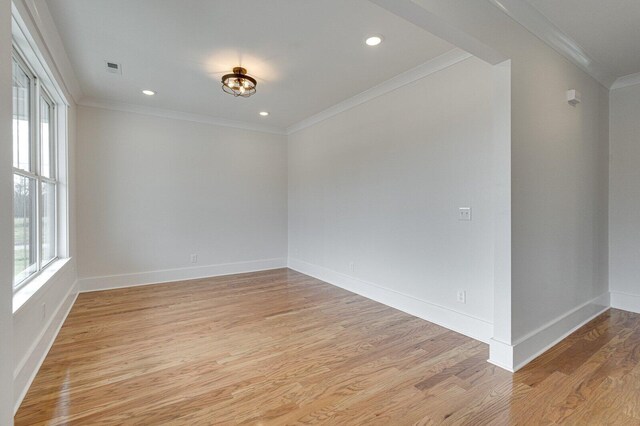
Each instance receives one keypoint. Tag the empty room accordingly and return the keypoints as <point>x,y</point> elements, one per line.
<point>274,212</point>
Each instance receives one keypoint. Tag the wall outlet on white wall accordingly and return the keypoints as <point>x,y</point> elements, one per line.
<point>44,311</point>
<point>352,267</point>
<point>461,296</point>
<point>464,213</point>
<point>194,258</point>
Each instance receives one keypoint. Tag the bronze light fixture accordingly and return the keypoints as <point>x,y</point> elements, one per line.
<point>239,83</point>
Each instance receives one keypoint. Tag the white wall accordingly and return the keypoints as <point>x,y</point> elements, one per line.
<point>152,191</point>
<point>559,173</point>
<point>380,185</point>
<point>624,201</point>
<point>36,322</point>
<point>6,219</point>
<point>559,189</point>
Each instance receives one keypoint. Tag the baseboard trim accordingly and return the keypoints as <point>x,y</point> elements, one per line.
<point>31,363</point>
<point>625,302</point>
<point>514,356</point>
<point>501,355</point>
<point>457,321</point>
<point>170,275</point>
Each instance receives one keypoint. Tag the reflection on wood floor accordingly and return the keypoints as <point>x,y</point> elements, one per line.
<point>279,347</point>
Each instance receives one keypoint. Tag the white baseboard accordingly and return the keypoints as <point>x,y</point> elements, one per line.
<point>170,275</point>
<point>457,321</point>
<point>501,354</point>
<point>625,301</point>
<point>29,366</point>
<point>514,356</point>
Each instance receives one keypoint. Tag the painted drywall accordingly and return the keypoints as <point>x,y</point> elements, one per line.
<point>36,322</point>
<point>6,219</point>
<point>374,194</point>
<point>559,170</point>
<point>624,201</point>
<point>153,191</point>
<point>559,190</point>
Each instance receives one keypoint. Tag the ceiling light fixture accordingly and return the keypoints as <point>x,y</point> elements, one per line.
<point>264,113</point>
<point>373,41</point>
<point>239,83</point>
<point>148,92</point>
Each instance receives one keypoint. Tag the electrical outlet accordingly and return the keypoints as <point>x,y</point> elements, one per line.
<point>194,258</point>
<point>352,267</point>
<point>462,296</point>
<point>44,311</point>
<point>464,213</point>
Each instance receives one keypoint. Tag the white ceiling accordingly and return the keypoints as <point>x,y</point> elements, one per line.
<point>607,30</point>
<point>307,55</point>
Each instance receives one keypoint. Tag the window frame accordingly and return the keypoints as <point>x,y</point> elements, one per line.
<point>38,91</point>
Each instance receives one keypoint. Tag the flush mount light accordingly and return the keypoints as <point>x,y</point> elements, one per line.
<point>264,113</point>
<point>148,92</point>
<point>239,83</point>
<point>373,40</point>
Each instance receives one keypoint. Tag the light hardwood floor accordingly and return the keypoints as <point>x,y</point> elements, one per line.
<point>279,347</point>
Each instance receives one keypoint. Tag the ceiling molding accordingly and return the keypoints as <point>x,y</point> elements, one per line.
<point>44,35</point>
<point>437,64</point>
<point>422,18</point>
<point>533,20</point>
<point>178,115</point>
<point>626,81</point>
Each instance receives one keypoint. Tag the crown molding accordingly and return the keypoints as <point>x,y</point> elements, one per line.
<point>179,115</point>
<point>33,16</point>
<point>418,15</point>
<point>533,20</point>
<point>434,65</point>
<point>439,63</point>
<point>626,81</point>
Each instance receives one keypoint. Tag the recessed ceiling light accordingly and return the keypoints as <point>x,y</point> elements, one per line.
<point>264,113</point>
<point>373,40</point>
<point>148,92</point>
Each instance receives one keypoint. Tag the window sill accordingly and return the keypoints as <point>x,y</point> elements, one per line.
<point>25,293</point>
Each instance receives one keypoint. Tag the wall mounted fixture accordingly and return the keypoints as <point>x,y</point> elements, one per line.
<point>239,83</point>
<point>574,97</point>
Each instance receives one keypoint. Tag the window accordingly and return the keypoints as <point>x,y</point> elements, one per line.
<point>35,183</point>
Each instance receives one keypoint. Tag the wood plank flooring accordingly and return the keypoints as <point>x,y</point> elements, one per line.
<point>279,347</point>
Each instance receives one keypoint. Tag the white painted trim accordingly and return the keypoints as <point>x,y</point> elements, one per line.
<point>42,280</point>
<point>179,274</point>
<point>439,63</point>
<point>434,24</point>
<point>626,81</point>
<point>539,25</point>
<point>514,356</point>
<point>36,22</point>
<point>501,355</point>
<point>459,322</point>
<point>625,301</point>
<point>28,367</point>
<point>178,115</point>
<point>501,200</point>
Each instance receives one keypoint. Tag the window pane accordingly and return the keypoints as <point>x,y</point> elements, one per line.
<point>24,227</point>
<point>46,147</point>
<point>48,221</point>
<point>21,110</point>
